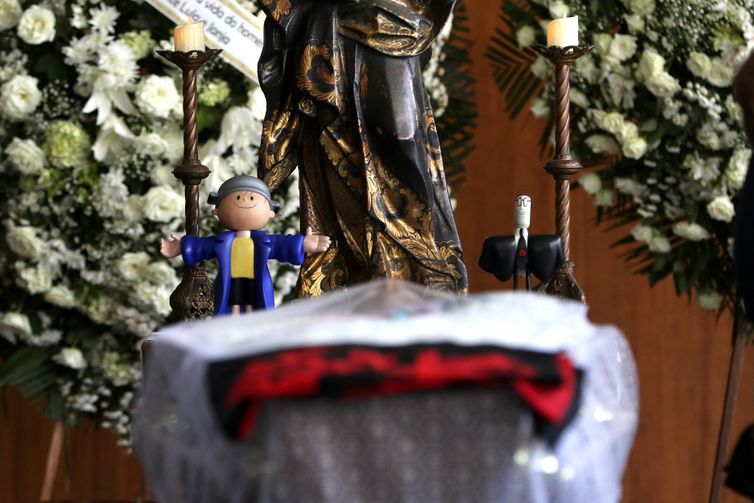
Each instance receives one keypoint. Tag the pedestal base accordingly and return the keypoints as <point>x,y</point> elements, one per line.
<point>192,299</point>
<point>563,285</point>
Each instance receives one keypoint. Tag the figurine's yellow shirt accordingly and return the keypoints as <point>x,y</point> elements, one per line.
<point>242,258</point>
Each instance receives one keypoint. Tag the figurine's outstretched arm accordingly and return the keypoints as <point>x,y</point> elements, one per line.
<point>171,248</point>
<point>314,243</point>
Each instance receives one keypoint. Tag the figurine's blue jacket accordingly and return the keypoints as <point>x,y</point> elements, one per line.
<point>288,248</point>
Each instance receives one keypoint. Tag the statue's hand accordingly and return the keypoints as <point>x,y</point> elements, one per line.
<point>171,248</point>
<point>314,243</point>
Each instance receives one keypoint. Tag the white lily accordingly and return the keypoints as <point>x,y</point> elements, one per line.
<point>105,94</point>
<point>238,128</point>
<point>113,137</point>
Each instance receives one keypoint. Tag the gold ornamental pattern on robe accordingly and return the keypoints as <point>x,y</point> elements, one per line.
<point>347,106</point>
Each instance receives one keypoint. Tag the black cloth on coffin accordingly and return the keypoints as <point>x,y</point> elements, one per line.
<point>544,254</point>
<point>547,384</point>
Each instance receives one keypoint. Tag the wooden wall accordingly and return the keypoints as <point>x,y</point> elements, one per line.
<point>681,352</point>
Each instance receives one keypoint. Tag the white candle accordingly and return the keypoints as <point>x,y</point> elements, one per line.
<point>189,36</point>
<point>563,32</point>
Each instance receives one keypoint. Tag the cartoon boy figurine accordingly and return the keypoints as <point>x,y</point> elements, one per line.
<point>244,206</point>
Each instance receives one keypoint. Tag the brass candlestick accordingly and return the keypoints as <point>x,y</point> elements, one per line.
<point>192,298</point>
<point>563,166</point>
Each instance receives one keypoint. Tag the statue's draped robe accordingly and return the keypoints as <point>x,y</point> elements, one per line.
<point>346,104</point>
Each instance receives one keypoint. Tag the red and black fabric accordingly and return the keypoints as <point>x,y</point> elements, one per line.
<point>547,383</point>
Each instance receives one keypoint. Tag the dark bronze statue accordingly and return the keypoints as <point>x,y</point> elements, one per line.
<point>346,104</point>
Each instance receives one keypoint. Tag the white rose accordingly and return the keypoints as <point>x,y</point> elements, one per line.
<point>586,68</point>
<point>691,231</point>
<point>591,183</point>
<point>612,122</point>
<point>257,103</point>
<point>37,25</point>
<point>161,273</point>
<point>25,156</point>
<point>163,174</point>
<point>133,210</point>
<point>156,296</point>
<point>672,211</point>
<point>643,233</point>
<point>60,295</point>
<point>721,73</point>
<point>603,144</point>
<point>702,169</point>
<point>627,132</point>
<point>721,208</point>
<point>709,300</point>
<point>540,68</point>
<point>23,241</point>
<point>659,244</point>
<point>635,148</point>
<point>699,64</point>
<point>15,324</point>
<point>10,13</point>
<point>602,42</point>
<point>133,266</point>
<point>19,97</point>
<point>634,22</point>
<point>734,109</point>
<point>621,89</point>
<point>70,357</point>
<point>605,197</point>
<point>738,166</point>
<point>663,85</point>
<point>628,186</point>
<point>239,128</point>
<point>558,9</point>
<point>157,96</point>
<point>220,171</point>
<point>651,64</point>
<point>641,7</point>
<point>36,279</point>
<point>622,47</point>
<point>173,137</point>
<point>163,204</point>
<point>150,144</point>
<point>526,36</point>
<point>101,309</point>
<point>540,108</point>
<point>707,136</point>
<point>578,98</point>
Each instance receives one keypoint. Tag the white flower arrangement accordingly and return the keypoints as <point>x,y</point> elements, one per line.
<point>660,109</point>
<point>91,138</point>
<point>36,25</point>
<point>10,13</point>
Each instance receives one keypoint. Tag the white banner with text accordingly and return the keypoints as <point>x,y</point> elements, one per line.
<point>227,26</point>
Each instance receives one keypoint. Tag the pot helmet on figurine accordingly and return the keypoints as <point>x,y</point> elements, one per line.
<point>242,183</point>
<point>243,203</point>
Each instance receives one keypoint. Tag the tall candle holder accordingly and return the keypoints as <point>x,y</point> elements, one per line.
<point>563,166</point>
<point>192,298</point>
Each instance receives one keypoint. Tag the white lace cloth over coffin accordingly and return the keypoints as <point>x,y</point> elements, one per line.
<point>449,446</point>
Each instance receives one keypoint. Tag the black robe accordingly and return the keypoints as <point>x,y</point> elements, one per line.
<point>347,105</point>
